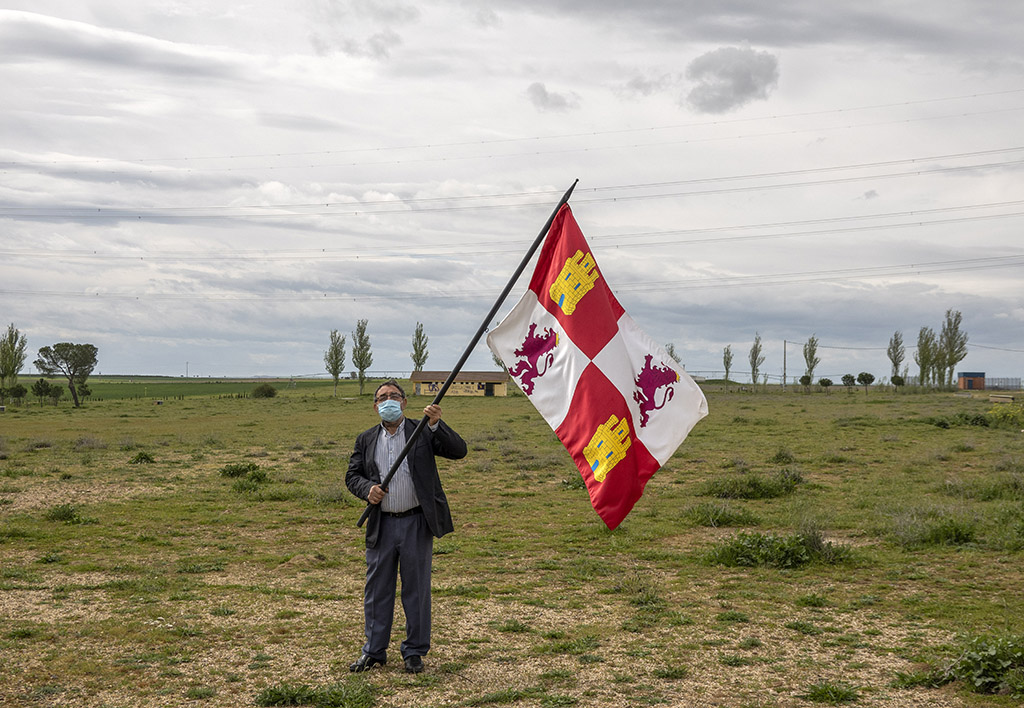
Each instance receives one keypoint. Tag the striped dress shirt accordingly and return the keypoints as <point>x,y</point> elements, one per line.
<point>401,494</point>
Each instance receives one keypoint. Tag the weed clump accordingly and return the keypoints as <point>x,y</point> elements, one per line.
<point>574,481</point>
<point>66,513</point>
<point>751,550</point>
<point>719,514</point>
<point>831,693</point>
<point>992,665</point>
<point>251,481</point>
<point>238,469</point>
<point>782,457</point>
<point>920,528</point>
<point>142,458</point>
<point>752,485</point>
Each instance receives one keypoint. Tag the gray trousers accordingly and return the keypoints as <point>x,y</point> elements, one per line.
<point>404,545</point>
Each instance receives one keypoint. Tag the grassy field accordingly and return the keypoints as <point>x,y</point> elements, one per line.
<point>160,387</point>
<point>799,550</point>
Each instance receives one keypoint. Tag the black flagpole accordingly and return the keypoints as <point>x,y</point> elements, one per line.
<point>469,349</point>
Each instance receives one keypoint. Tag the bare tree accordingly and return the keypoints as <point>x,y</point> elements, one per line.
<point>362,356</point>
<point>419,348</point>
<point>334,357</point>
<point>756,357</point>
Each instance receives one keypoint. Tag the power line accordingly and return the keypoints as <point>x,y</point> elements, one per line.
<point>1001,349</point>
<point>349,253</point>
<point>414,205</point>
<point>728,281</point>
<point>558,136</point>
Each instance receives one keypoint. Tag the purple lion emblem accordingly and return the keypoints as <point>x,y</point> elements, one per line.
<point>537,350</point>
<point>648,381</point>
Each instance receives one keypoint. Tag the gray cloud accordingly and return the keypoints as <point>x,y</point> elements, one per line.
<point>730,77</point>
<point>379,45</point>
<point>291,121</point>
<point>995,25</point>
<point>360,28</point>
<point>28,38</point>
<point>645,86</point>
<point>544,100</point>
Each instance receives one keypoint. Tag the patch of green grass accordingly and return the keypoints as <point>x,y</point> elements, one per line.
<point>514,626</point>
<point>812,600</point>
<point>831,692</point>
<point>774,551</point>
<point>68,514</point>
<point>504,696</point>
<point>719,514</point>
<point>577,646</point>
<point>672,673</point>
<point>782,457</point>
<point>918,527</point>
<point>352,693</point>
<point>199,693</point>
<point>804,627</point>
<point>752,485</point>
<point>732,617</point>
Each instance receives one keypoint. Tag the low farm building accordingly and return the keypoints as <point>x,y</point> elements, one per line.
<point>970,380</point>
<point>466,383</point>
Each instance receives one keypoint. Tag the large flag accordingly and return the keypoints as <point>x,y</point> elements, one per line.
<point>617,401</point>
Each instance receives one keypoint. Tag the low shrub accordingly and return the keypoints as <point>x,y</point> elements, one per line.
<point>962,418</point>
<point>264,390</point>
<point>1007,415</point>
<point>238,469</point>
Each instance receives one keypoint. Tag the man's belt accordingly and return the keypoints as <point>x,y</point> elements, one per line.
<point>401,514</point>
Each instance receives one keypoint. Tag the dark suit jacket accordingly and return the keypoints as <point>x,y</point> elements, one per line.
<point>363,473</point>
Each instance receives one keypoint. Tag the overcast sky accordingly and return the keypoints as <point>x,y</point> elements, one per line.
<point>210,188</point>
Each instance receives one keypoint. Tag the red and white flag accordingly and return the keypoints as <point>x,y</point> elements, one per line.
<point>617,401</point>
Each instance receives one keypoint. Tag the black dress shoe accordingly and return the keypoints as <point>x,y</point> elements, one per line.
<point>365,662</point>
<point>413,664</point>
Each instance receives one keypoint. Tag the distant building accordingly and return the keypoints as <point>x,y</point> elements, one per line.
<point>970,381</point>
<point>466,383</point>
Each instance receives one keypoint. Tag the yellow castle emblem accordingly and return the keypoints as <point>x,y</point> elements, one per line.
<point>576,279</point>
<point>608,447</point>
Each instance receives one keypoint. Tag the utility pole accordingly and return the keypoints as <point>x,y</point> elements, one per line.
<point>784,342</point>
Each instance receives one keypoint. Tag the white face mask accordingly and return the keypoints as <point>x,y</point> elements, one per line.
<point>389,411</point>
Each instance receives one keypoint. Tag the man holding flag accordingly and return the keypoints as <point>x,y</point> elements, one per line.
<point>617,401</point>
<point>408,511</point>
